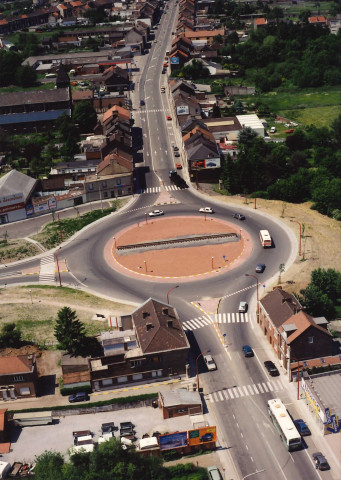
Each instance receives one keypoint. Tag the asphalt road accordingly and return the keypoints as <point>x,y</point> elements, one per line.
<point>250,437</point>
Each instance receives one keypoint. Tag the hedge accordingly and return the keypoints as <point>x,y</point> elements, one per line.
<point>69,391</point>
<point>112,401</point>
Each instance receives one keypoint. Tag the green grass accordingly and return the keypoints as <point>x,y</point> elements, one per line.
<point>43,86</point>
<point>308,106</point>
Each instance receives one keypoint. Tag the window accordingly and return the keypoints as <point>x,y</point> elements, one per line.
<point>310,339</point>
<point>24,391</point>
<point>118,181</point>
<point>138,376</point>
<point>122,379</point>
<point>105,194</point>
<point>106,382</point>
<point>136,363</point>
<point>182,410</point>
<point>18,378</point>
<point>91,186</point>
<point>104,184</point>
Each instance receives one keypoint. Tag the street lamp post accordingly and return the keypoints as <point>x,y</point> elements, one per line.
<point>145,265</point>
<point>176,286</point>
<point>146,214</point>
<point>31,295</point>
<point>60,280</point>
<point>299,242</point>
<point>254,276</point>
<point>100,192</point>
<point>196,365</point>
<point>212,262</point>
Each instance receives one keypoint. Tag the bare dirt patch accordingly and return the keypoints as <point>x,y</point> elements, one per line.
<point>14,250</point>
<point>321,242</point>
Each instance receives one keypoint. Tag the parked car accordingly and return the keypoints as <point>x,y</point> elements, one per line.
<point>178,166</point>
<point>206,210</point>
<point>243,306</point>
<point>211,164</point>
<point>142,102</point>
<point>238,216</point>
<point>260,267</point>
<point>156,213</point>
<point>271,368</point>
<point>169,117</point>
<point>291,130</point>
<point>214,473</point>
<point>175,148</point>
<point>172,173</point>
<point>302,428</point>
<point>273,130</point>
<point>210,363</point>
<point>248,352</point>
<point>287,125</point>
<point>176,154</point>
<point>320,461</point>
<point>79,397</point>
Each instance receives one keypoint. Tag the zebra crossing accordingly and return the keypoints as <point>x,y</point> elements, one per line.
<point>168,188</point>
<point>47,269</point>
<point>245,391</point>
<point>154,110</point>
<point>205,320</point>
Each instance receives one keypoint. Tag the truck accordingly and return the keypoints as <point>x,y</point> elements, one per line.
<point>32,419</point>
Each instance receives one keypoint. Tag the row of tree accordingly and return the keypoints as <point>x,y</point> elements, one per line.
<point>307,167</point>
<point>110,461</point>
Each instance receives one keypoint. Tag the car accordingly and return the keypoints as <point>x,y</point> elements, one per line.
<point>214,473</point>
<point>211,164</point>
<point>210,363</point>
<point>163,71</point>
<point>176,154</point>
<point>178,166</point>
<point>206,210</point>
<point>293,124</point>
<point>142,102</point>
<point>169,117</point>
<point>287,125</point>
<point>163,89</point>
<point>243,306</point>
<point>320,461</point>
<point>291,130</point>
<point>198,164</point>
<point>156,213</point>
<point>79,397</point>
<point>238,216</point>
<point>260,267</point>
<point>175,148</point>
<point>302,428</point>
<point>248,352</point>
<point>207,437</point>
<point>172,173</point>
<point>273,130</point>
<point>271,368</point>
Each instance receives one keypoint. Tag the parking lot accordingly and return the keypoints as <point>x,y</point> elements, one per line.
<point>29,442</point>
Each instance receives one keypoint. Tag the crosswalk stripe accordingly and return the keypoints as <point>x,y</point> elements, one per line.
<point>224,317</point>
<point>241,391</point>
<point>260,387</point>
<point>235,392</point>
<point>265,386</point>
<point>209,397</point>
<point>246,390</point>
<point>255,389</point>
<point>192,325</point>
<point>231,393</point>
<point>242,317</point>
<point>233,319</point>
<point>221,396</point>
<point>204,320</point>
<point>214,394</point>
<point>196,322</point>
<point>270,386</point>
<point>250,389</point>
<point>226,395</point>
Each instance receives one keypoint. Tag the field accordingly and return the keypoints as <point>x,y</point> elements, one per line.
<point>34,309</point>
<point>308,106</point>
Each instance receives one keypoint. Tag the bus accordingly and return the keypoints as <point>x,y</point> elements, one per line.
<point>265,238</point>
<point>284,425</point>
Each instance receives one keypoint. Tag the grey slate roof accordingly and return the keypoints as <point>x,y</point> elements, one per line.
<point>16,182</point>
<point>180,396</point>
<point>36,96</point>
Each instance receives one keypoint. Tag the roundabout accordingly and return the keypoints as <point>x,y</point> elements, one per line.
<point>184,248</point>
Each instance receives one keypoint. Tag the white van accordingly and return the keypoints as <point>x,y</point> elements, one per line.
<point>50,75</point>
<point>213,473</point>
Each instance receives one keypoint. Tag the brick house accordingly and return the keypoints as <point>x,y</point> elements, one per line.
<point>18,377</point>
<point>179,402</point>
<point>292,333</point>
<point>150,344</point>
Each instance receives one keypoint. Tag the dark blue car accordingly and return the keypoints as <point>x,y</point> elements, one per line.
<point>248,352</point>
<point>302,428</point>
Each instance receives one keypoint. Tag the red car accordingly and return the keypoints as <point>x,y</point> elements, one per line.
<point>291,130</point>
<point>169,117</point>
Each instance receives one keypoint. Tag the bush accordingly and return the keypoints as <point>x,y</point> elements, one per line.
<point>69,391</point>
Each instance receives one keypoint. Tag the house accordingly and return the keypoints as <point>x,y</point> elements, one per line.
<point>16,190</point>
<point>259,23</point>
<point>293,334</point>
<point>319,20</point>
<point>185,106</point>
<point>204,36</point>
<point>5,445</point>
<point>224,128</point>
<point>179,402</point>
<point>75,371</point>
<point>150,344</point>
<point>115,79</point>
<point>18,377</point>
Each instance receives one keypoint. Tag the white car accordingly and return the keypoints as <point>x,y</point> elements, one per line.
<point>156,213</point>
<point>273,130</point>
<point>206,210</point>
<point>210,363</point>
<point>287,125</point>
<point>243,306</point>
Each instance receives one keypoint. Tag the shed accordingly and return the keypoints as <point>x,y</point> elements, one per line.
<point>179,402</point>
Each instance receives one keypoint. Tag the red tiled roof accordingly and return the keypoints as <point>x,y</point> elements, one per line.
<point>20,364</point>
<point>319,19</point>
<point>260,21</point>
<point>302,321</point>
<point>2,419</point>
<point>5,447</point>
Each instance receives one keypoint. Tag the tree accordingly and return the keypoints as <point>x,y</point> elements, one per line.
<point>281,269</point>
<point>316,303</point>
<point>328,282</point>
<point>10,336</point>
<point>25,76</point>
<point>84,115</point>
<point>246,136</point>
<point>69,331</point>
<point>49,466</point>
<point>216,111</point>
